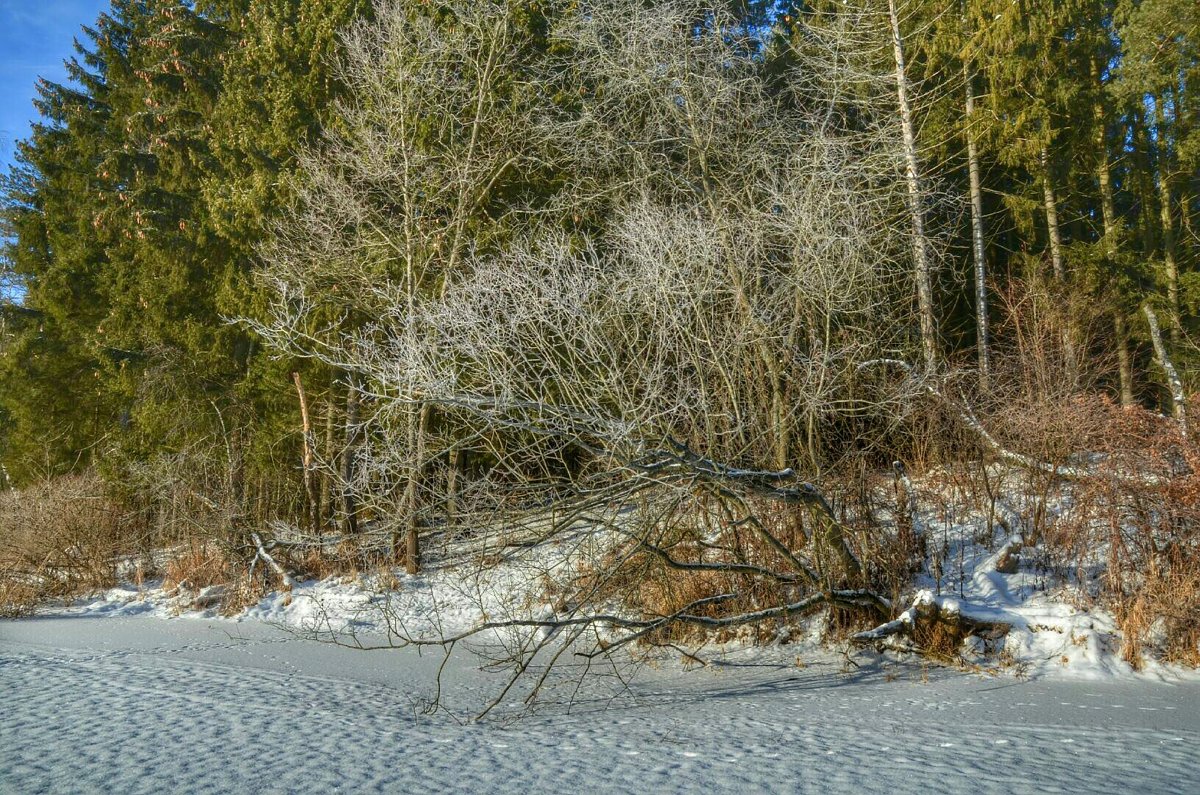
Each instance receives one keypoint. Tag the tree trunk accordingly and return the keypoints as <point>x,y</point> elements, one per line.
<point>1054,231</point>
<point>313,499</point>
<point>1174,383</point>
<point>921,262</point>
<point>1054,235</point>
<point>1170,263</point>
<point>977,248</point>
<point>349,508</point>
<point>1108,210</point>
<point>452,485</point>
<point>326,495</point>
<point>1124,359</point>
<point>418,425</point>
<point>1140,179</point>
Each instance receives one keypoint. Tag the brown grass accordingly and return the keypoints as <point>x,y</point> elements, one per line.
<point>199,566</point>
<point>940,640</point>
<point>1137,523</point>
<point>1143,510</point>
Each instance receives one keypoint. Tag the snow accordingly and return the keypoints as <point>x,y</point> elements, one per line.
<point>140,688</point>
<point>133,703</point>
<point>1052,635</point>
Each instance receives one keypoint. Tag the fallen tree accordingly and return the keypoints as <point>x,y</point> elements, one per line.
<point>937,624</point>
<point>666,553</point>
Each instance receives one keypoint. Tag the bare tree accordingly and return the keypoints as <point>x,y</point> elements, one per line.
<point>400,192</point>
<point>634,350</point>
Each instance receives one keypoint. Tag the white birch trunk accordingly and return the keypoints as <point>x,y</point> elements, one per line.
<point>921,262</point>
<point>977,247</point>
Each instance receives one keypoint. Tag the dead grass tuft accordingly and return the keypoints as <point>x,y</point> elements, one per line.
<point>199,566</point>
<point>940,640</point>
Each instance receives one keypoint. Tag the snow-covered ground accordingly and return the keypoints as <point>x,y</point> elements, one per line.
<point>141,689</point>
<point>136,703</point>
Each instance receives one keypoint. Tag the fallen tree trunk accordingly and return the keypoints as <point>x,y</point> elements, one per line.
<point>968,418</point>
<point>943,617</point>
<point>261,554</point>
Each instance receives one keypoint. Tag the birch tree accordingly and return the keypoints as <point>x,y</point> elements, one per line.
<point>922,265</point>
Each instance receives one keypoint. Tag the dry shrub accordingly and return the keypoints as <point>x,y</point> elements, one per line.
<point>1132,535</point>
<point>18,596</point>
<point>207,565</point>
<point>1129,536</point>
<point>1048,362</point>
<point>1163,615</point>
<point>1049,341</point>
<point>703,529</point>
<point>348,557</point>
<point>243,593</point>
<point>1153,576</point>
<point>200,565</point>
<point>315,564</point>
<point>59,538</point>
<point>930,435</point>
<point>940,640</point>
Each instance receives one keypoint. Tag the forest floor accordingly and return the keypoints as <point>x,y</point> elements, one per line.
<point>96,702</point>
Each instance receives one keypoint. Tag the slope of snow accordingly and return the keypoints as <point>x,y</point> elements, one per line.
<point>1051,636</point>
<point>136,704</point>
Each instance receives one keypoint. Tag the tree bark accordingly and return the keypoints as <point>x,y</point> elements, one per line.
<point>1054,231</point>
<point>1170,263</point>
<point>1124,358</point>
<point>313,503</point>
<point>418,426</point>
<point>921,264</point>
<point>977,249</point>
<point>1058,267</point>
<point>326,492</point>
<point>452,484</point>
<point>1108,210</point>
<point>349,508</point>
<point>1140,179</point>
<point>1178,398</point>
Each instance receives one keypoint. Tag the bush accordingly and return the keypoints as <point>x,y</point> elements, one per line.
<point>59,538</point>
<point>1129,534</point>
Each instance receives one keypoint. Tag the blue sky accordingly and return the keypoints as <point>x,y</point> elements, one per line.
<point>35,37</point>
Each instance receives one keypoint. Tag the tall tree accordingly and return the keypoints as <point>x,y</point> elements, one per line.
<point>922,264</point>
<point>58,361</point>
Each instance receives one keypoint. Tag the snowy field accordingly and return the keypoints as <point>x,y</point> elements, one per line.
<point>139,703</point>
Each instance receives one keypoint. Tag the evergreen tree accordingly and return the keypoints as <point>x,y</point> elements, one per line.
<point>58,359</point>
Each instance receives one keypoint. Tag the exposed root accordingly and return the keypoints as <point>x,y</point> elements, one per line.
<point>937,625</point>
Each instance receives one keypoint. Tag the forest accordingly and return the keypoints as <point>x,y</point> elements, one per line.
<point>708,297</point>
